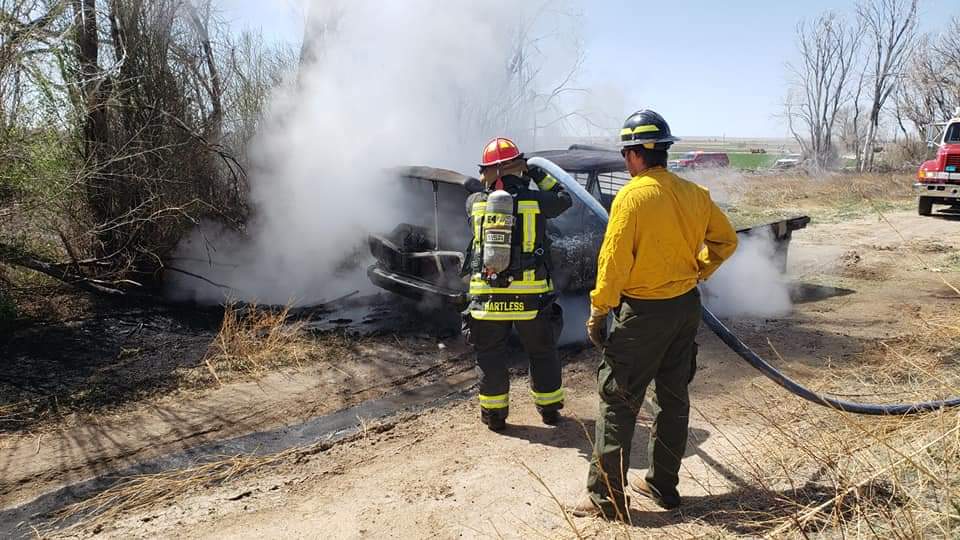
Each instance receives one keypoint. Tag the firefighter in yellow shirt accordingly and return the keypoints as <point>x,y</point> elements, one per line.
<point>665,235</point>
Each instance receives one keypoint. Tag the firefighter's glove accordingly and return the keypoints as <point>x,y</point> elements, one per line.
<point>465,328</point>
<point>597,327</point>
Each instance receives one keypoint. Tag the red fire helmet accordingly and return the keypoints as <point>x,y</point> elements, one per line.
<point>499,150</point>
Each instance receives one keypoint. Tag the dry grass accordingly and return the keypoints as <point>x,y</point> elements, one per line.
<point>153,491</point>
<point>918,366</point>
<point>837,474</point>
<point>886,478</point>
<point>793,469</point>
<point>828,198</point>
<point>158,490</point>
<point>828,190</point>
<point>252,340</point>
<point>890,477</point>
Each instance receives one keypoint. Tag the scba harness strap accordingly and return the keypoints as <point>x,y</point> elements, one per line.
<point>514,294</point>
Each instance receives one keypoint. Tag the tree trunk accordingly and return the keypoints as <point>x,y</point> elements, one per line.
<point>88,53</point>
<point>215,121</point>
<point>94,122</point>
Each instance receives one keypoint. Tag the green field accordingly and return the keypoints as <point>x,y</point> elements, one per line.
<point>744,160</point>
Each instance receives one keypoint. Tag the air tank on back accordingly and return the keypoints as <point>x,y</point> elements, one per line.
<point>497,233</point>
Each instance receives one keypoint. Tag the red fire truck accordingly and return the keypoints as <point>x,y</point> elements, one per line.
<point>938,180</point>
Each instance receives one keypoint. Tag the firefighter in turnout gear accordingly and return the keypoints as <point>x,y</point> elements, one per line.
<point>508,262</point>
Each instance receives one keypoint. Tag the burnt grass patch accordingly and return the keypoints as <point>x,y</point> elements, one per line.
<point>96,359</point>
<point>69,354</point>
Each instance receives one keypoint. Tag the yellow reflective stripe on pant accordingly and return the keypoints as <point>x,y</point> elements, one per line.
<point>500,401</point>
<point>547,398</point>
<point>483,315</point>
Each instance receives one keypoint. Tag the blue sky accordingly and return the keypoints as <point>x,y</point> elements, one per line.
<point>711,68</point>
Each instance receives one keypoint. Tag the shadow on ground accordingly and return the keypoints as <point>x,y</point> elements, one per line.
<point>948,214</point>
<point>579,434</point>
<point>755,511</point>
<point>806,293</point>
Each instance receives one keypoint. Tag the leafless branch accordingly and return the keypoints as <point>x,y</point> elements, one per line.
<point>822,84</point>
<point>891,31</point>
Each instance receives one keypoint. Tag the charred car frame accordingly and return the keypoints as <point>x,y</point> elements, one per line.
<point>421,259</point>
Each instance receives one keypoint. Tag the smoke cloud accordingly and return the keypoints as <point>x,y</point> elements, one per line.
<point>725,184</point>
<point>383,84</point>
<point>750,284</point>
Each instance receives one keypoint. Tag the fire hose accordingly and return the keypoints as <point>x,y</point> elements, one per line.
<point>738,346</point>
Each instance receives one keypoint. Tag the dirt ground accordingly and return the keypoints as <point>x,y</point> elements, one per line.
<point>440,473</point>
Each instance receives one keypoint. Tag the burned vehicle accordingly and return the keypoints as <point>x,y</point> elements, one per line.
<point>422,257</point>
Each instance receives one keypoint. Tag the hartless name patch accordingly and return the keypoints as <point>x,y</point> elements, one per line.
<point>503,307</point>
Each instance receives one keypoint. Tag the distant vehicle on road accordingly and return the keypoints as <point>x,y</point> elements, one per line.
<point>785,164</point>
<point>700,160</point>
<point>791,161</point>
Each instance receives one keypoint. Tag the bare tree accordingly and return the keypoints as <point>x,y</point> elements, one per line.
<point>891,30</point>
<point>211,79</point>
<point>319,29</point>
<point>538,107</point>
<point>151,100</point>
<point>849,129</point>
<point>931,90</point>
<point>822,81</point>
<point>528,101</point>
<point>252,70</point>
<point>27,29</point>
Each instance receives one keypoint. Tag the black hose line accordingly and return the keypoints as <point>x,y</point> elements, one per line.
<point>795,388</point>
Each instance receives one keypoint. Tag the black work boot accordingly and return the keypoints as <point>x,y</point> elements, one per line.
<point>496,421</point>
<point>551,417</point>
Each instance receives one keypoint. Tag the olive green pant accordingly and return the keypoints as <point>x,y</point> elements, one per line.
<point>651,340</point>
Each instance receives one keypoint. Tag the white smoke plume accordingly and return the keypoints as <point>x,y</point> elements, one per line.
<point>725,184</point>
<point>751,283</point>
<point>385,84</point>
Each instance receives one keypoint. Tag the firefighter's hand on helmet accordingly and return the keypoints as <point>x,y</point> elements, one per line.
<point>536,173</point>
<point>597,327</point>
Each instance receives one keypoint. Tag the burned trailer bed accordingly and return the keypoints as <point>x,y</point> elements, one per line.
<point>422,257</point>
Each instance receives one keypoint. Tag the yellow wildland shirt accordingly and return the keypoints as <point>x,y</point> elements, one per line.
<point>664,236</point>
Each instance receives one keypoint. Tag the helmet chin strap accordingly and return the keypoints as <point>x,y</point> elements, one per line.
<point>498,184</point>
<point>491,181</point>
